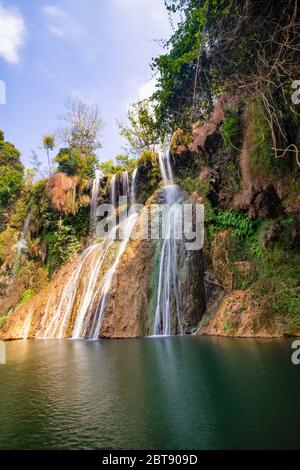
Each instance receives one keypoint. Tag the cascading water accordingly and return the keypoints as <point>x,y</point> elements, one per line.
<point>125,185</point>
<point>133,186</point>
<point>168,288</point>
<point>165,167</point>
<point>59,322</point>
<point>96,326</point>
<point>84,285</point>
<point>88,301</point>
<point>113,190</point>
<point>22,244</point>
<point>94,202</point>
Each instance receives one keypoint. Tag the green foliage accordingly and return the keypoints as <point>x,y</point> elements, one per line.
<point>149,174</point>
<point>20,213</point>
<point>79,222</point>
<point>185,71</point>
<point>49,142</point>
<point>279,282</point>
<point>27,295</point>
<point>140,131</point>
<point>2,321</point>
<point>226,326</point>
<point>194,185</point>
<point>10,156</point>
<point>261,155</point>
<point>124,162</point>
<point>72,162</point>
<point>230,129</point>
<point>11,182</point>
<point>240,223</point>
<point>203,58</point>
<point>274,273</point>
<point>108,167</point>
<point>11,173</point>
<point>61,244</point>
<point>201,187</point>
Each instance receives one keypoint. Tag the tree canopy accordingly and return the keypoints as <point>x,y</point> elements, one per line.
<point>11,173</point>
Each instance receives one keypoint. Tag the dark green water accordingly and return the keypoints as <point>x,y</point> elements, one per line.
<point>171,393</point>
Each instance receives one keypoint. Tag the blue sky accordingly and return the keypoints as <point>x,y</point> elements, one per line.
<point>98,50</point>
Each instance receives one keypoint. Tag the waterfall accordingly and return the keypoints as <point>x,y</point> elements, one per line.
<point>113,190</point>
<point>94,202</point>
<point>56,327</point>
<point>165,167</point>
<point>125,185</point>
<point>22,243</point>
<point>96,326</point>
<point>168,288</point>
<point>88,301</point>
<point>84,284</point>
<point>133,186</point>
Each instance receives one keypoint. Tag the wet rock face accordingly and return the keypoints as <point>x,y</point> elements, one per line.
<point>220,260</point>
<point>241,314</point>
<point>265,204</point>
<point>271,236</point>
<point>127,312</point>
<point>193,295</point>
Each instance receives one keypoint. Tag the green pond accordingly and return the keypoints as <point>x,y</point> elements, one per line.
<point>155,393</point>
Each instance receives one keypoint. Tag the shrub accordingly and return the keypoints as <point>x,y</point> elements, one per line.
<point>242,225</point>
<point>2,321</point>
<point>230,131</point>
<point>72,162</point>
<point>61,244</point>
<point>27,295</point>
<point>11,182</point>
<point>194,185</point>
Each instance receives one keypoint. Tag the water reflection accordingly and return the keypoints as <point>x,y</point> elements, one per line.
<point>159,393</point>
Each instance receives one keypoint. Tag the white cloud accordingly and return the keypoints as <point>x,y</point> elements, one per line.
<point>53,11</point>
<point>12,33</point>
<point>56,31</point>
<point>146,90</point>
<point>60,23</point>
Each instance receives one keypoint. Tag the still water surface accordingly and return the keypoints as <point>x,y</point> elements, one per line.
<point>158,393</point>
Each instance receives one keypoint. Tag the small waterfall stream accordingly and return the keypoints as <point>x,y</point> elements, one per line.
<point>56,327</point>
<point>22,244</point>
<point>133,186</point>
<point>113,190</point>
<point>96,326</point>
<point>125,185</point>
<point>94,202</point>
<point>168,288</point>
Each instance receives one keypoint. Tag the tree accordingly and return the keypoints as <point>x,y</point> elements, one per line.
<point>49,144</point>
<point>125,162</point>
<point>140,131</point>
<point>83,126</point>
<point>37,164</point>
<point>108,167</point>
<point>9,155</point>
<point>11,173</point>
<point>11,182</point>
<point>246,48</point>
<point>72,162</point>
